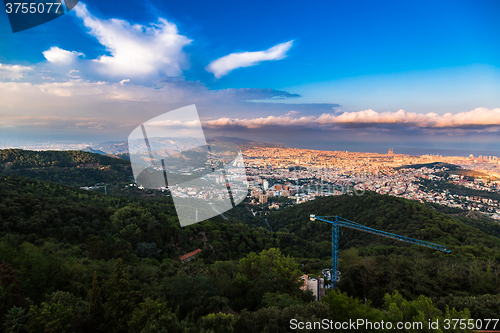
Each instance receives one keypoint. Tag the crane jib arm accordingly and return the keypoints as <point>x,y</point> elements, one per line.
<point>337,220</point>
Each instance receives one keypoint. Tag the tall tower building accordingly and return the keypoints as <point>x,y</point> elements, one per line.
<point>263,198</point>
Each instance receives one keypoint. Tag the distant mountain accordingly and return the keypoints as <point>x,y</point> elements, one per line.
<point>94,151</point>
<point>121,148</point>
<point>244,143</point>
<point>111,148</point>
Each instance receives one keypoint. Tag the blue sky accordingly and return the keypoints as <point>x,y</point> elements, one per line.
<point>332,73</point>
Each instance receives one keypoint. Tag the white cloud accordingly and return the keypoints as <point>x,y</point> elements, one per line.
<point>262,121</point>
<point>137,50</point>
<point>174,123</point>
<point>14,72</point>
<point>73,73</point>
<point>71,88</point>
<point>479,117</point>
<point>224,65</point>
<point>476,117</point>
<point>122,82</point>
<point>59,56</point>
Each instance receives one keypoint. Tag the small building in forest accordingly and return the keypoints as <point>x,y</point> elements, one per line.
<point>189,256</point>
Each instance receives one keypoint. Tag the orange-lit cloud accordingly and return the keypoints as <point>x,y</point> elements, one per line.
<point>479,117</point>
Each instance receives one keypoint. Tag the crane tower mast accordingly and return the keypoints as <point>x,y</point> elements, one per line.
<point>337,222</point>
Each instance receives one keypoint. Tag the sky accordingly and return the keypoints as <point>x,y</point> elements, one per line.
<point>350,75</point>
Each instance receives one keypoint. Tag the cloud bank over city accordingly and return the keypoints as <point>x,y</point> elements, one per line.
<point>480,117</point>
<point>121,104</point>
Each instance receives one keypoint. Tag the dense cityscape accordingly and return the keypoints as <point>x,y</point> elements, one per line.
<point>302,175</point>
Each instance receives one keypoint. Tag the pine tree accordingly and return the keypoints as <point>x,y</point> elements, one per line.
<point>121,300</point>
<point>95,306</point>
<point>11,293</point>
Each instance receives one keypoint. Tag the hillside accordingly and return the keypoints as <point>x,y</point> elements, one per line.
<point>397,215</point>
<point>72,167</point>
<point>19,158</point>
<point>39,211</point>
<point>430,165</point>
<point>373,265</point>
<point>58,237</point>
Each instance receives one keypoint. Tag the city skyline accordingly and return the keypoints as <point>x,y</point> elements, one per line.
<point>79,145</point>
<point>302,175</point>
<point>421,77</point>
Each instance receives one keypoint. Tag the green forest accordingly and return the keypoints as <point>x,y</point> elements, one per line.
<point>74,168</point>
<point>80,261</point>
